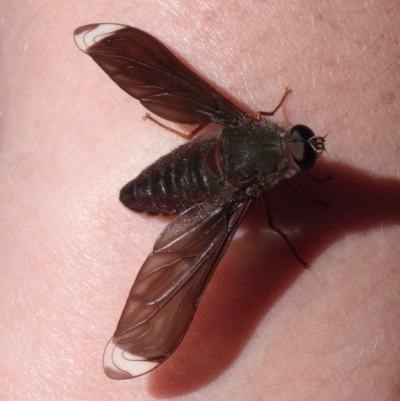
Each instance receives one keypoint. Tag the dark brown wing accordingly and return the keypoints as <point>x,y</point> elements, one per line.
<point>143,67</point>
<point>169,286</point>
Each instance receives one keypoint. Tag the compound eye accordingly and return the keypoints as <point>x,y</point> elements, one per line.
<point>304,154</point>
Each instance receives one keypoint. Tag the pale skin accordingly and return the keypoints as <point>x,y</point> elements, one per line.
<point>267,329</point>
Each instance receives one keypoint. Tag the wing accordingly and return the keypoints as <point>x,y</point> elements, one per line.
<point>143,67</point>
<point>169,286</point>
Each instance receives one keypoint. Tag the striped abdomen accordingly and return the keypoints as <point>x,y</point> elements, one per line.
<point>176,181</point>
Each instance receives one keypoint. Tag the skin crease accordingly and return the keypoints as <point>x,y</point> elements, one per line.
<point>267,329</point>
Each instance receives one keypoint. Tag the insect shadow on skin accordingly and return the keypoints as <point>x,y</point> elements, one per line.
<point>210,182</point>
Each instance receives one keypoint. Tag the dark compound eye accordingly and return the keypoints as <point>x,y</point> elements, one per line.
<point>303,149</point>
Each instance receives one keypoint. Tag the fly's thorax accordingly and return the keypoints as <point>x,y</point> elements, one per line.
<point>257,154</point>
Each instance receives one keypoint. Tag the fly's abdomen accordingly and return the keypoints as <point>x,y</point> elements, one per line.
<point>175,182</point>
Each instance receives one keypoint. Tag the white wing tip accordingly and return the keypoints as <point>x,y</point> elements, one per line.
<point>120,364</point>
<point>87,35</point>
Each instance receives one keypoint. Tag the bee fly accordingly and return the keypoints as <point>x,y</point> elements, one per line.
<point>210,182</point>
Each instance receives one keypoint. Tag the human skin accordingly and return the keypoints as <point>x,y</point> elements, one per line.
<point>266,329</point>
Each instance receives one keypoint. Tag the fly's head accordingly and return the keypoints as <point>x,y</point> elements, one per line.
<point>306,147</point>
